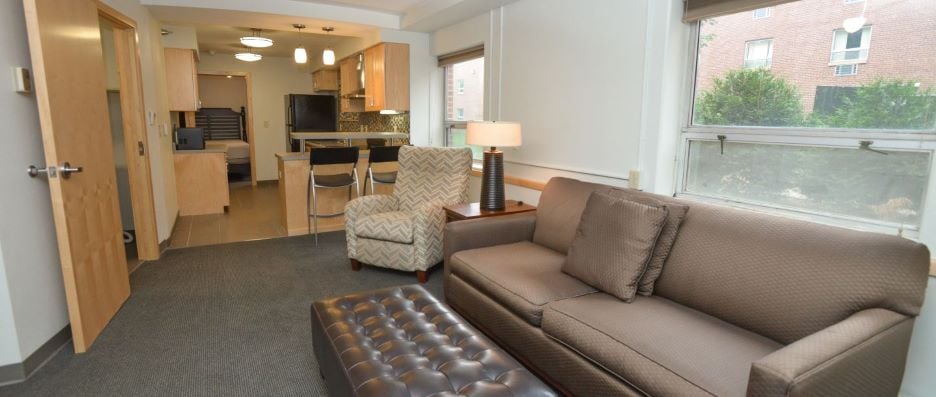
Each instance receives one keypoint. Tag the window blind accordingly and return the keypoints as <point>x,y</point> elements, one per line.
<point>461,56</point>
<point>701,9</point>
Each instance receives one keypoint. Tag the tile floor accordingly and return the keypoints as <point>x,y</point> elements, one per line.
<point>254,214</point>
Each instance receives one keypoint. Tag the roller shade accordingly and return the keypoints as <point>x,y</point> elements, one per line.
<point>701,9</point>
<point>461,56</point>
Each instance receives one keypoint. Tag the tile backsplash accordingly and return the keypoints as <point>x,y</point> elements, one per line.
<point>374,121</point>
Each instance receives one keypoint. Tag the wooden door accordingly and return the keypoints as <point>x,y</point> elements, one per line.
<point>68,68</point>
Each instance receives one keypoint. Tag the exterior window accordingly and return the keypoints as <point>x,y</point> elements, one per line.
<point>853,1</point>
<point>464,100</point>
<point>758,53</point>
<point>787,135</point>
<point>846,70</point>
<point>851,47</point>
<point>762,13</point>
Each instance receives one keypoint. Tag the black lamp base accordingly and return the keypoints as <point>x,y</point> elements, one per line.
<point>492,181</point>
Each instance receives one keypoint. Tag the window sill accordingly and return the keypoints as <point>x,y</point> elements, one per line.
<point>852,62</point>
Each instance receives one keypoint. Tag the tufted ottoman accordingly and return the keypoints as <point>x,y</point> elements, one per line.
<point>402,341</point>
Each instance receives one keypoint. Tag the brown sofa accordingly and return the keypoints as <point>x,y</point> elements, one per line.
<point>747,304</point>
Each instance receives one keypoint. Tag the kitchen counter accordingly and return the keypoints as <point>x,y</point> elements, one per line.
<point>197,151</point>
<point>302,137</point>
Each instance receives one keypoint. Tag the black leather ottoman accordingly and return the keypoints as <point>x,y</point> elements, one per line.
<point>403,341</point>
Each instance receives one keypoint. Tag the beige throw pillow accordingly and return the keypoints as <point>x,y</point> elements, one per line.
<point>676,212</point>
<point>614,243</point>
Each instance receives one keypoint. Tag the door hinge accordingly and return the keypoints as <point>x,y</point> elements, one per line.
<point>140,149</point>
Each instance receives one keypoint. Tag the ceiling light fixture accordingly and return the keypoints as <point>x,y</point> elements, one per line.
<point>299,54</point>
<point>852,25</point>
<point>248,56</point>
<point>328,55</point>
<point>255,40</point>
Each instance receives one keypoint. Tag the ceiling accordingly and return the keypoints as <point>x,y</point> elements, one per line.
<point>394,6</point>
<point>226,40</point>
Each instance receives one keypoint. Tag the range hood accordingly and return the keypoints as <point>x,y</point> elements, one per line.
<point>359,94</point>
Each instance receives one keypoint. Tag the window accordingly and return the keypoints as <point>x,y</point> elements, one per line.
<point>757,53</point>
<point>846,70</point>
<point>781,135</point>
<point>850,47</point>
<point>762,13</point>
<point>853,1</point>
<point>464,95</point>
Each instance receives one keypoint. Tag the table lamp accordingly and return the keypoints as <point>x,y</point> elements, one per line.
<point>493,134</point>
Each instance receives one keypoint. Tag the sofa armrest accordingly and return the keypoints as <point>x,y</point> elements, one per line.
<point>486,232</point>
<point>863,355</point>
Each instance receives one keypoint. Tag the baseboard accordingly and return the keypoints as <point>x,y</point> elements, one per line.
<point>15,373</point>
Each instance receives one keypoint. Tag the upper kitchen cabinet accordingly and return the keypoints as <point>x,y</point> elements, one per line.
<point>351,100</point>
<point>325,80</point>
<point>386,77</point>
<point>182,79</point>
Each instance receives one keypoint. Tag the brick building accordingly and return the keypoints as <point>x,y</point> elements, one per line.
<point>804,43</point>
<point>464,91</point>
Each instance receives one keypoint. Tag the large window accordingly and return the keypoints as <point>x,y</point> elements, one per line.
<point>464,97</point>
<point>792,135</point>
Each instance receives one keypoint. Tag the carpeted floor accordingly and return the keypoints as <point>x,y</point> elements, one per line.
<point>223,320</point>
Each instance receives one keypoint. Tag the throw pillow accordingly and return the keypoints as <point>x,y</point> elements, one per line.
<point>676,212</point>
<point>614,243</point>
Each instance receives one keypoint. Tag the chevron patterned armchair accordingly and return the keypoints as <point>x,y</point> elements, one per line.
<point>404,231</point>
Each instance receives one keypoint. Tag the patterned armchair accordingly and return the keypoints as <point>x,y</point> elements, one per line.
<point>404,231</point>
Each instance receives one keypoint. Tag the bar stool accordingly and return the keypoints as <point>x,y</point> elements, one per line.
<point>381,154</point>
<point>329,156</point>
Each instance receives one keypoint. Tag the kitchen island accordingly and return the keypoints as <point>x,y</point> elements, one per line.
<point>304,137</point>
<point>294,181</point>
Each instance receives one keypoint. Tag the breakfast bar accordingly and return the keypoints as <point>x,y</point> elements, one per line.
<point>304,137</point>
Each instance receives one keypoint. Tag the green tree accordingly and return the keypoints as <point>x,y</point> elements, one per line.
<point>750,97</point>
<point>885,103</point>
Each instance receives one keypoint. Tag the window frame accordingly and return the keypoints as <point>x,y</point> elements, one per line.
<point>894,139</point>
<point>866,49</point>
<point>449,125</point>
<point>854,66</point>
<point>767,13</point>
<point>768,61</point>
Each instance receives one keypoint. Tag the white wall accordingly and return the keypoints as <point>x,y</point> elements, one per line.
<point>32,295</point>
<point>271,79</point>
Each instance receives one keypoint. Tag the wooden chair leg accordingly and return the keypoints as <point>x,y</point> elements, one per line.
<point>355,265</point>
<point>422,276</point>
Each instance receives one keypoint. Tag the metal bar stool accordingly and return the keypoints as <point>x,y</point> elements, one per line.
<point>330,156</point>
<point>381,154</point>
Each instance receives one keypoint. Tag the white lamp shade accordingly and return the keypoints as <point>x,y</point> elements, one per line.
<point>256,41</point>
<point>493,133</point>
<point>300,55</point>
<point>248,56</point>
<point>328,56</point>
<point>852,25</point>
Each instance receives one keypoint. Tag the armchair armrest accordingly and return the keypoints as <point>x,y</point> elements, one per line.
<point>862,355</point>
<point>486,232</point>
<point>361,207</point>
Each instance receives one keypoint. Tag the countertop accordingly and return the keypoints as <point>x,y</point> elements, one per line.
<point>293,156</point>
<point>206,150</point>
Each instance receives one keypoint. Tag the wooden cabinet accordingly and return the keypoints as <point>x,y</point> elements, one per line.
<point>201,182</point>
<point>325,80</point>
<point>386,77</point>
<point>350,85</point>
<point>182,80</point>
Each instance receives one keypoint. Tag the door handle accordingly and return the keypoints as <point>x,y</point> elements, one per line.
<point>66,170</point>
<point>34,171</point>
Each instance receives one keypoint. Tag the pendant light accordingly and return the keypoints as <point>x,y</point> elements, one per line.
<point>255,40</point>
<point>248,56</point>
<point>852,25</point>
<point>299,54</point>
<point>328,55</point>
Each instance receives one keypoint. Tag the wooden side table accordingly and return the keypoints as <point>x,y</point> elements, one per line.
<point>462,212</point>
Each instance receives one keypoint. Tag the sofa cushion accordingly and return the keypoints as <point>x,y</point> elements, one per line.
<point>394,226</point>
<point>559,210</point>
<point>658,346</point>
<point>676,211</point>
<point>521,276</point>
<point>614,243</point>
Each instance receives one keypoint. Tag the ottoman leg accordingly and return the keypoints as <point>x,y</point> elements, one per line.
<point>355,265</point>
<point>422,276</point>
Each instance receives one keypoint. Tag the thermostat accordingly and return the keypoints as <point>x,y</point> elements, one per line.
<point>22,80</point>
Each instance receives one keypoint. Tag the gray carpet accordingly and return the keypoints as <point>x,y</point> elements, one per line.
<point>224,320</point>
